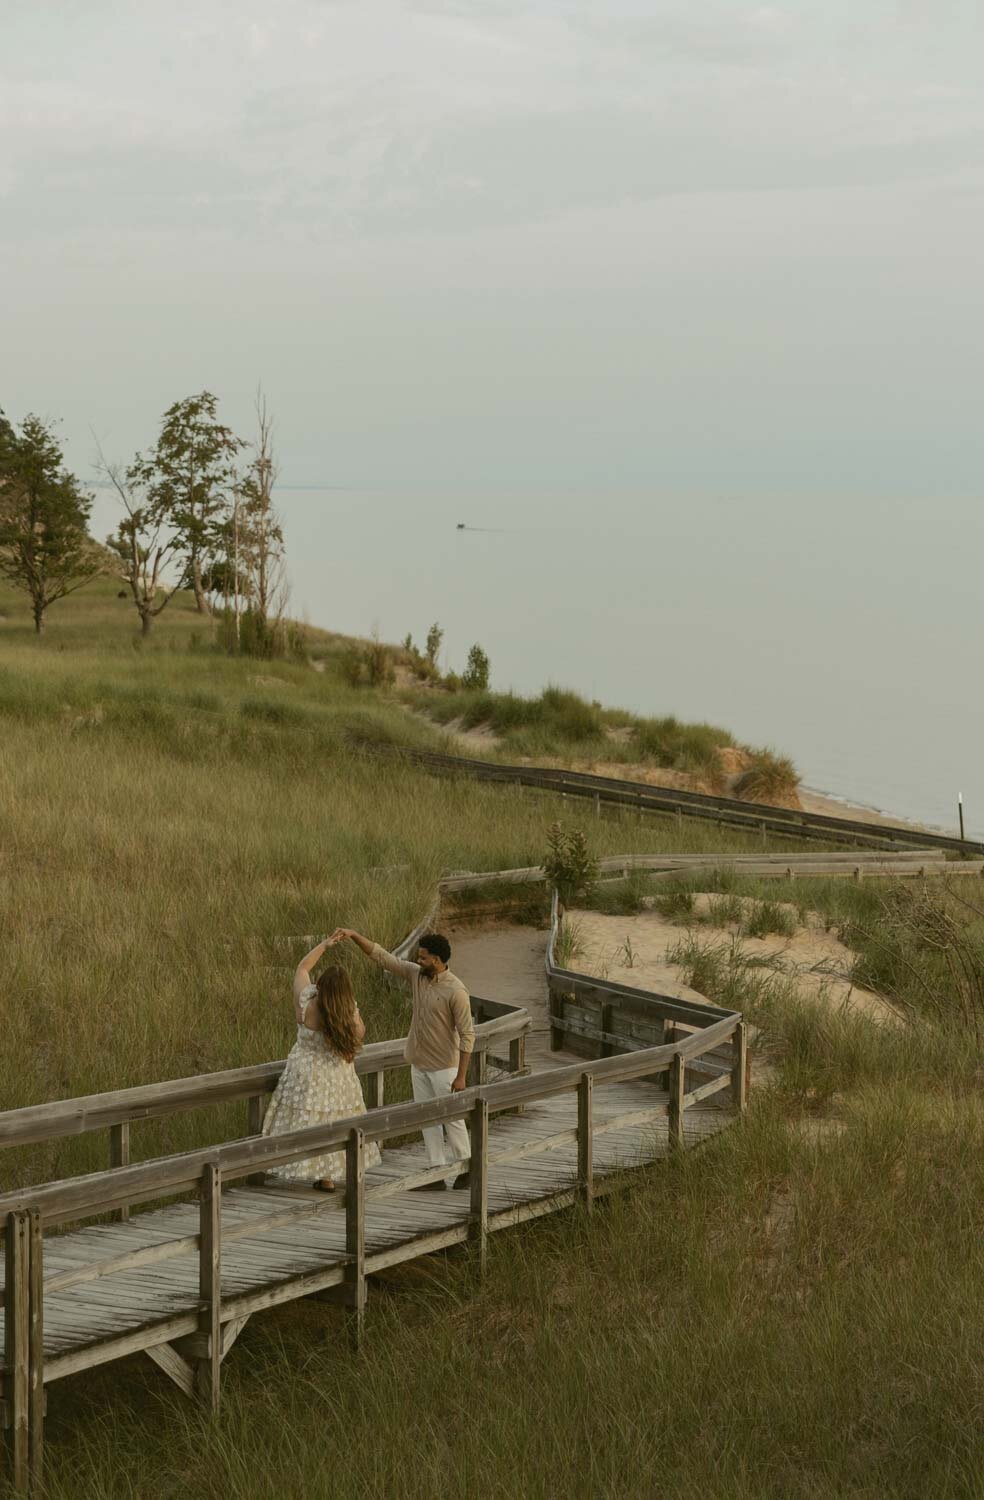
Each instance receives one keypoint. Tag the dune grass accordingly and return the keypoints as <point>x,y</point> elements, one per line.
<point>782,1315</point>
<point>560,723</point>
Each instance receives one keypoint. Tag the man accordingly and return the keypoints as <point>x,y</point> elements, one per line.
<point>442,1036</point>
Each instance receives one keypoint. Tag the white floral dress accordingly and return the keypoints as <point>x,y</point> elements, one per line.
<point>316,1087</point>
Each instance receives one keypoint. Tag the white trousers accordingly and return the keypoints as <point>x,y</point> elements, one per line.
<point>435,1083</point>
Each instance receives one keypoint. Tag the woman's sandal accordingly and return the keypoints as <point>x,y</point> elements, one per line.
<point>326,1185</point>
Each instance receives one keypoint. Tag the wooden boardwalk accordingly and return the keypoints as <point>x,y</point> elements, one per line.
<point>179,1282</point>
<point>136,1284</point>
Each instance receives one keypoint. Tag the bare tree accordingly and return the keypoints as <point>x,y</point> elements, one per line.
<point>142,546</point>
<point>255,539</point>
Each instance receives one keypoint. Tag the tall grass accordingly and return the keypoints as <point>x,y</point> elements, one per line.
<point>775,1316</point>
<point>769,1317</point>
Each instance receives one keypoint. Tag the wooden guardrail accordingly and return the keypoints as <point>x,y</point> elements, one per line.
<point>600,1017</point>
<point>779,821</point>
<point>207,1329</point>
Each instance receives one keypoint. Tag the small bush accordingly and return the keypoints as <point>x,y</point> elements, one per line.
<point>476,674</point>
<point>675,906</point>
<point>569,866</point>
<point>768,917</point>
<point>767,776</point>
<point>569,943</point>
<point>434,638</point>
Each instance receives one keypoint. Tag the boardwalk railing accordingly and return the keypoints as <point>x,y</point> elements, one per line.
<point>599,1017</point>
<point>781,822</point>
<point>499,1026</point>
<point>189,1344</point>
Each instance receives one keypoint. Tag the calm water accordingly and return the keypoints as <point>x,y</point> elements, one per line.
<point>843,633</point>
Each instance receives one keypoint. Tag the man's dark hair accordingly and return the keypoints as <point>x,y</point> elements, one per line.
<point>436,943</point>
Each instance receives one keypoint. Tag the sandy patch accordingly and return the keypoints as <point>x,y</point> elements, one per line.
<point>633,950</point>
<point>504,961</point>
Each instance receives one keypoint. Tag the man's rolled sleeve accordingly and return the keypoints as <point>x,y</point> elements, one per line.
<point>463,1023</point>
<point>393,965</point>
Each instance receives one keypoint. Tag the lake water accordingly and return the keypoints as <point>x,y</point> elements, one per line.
<point>845,635</point>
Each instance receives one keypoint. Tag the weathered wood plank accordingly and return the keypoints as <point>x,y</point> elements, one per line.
<point>585,1141</point>
<point>174,1365</point>
<point>355,1234</point>
<point>208,1369</point>
<point>16,1328</point>
<point>479,1181</point>
<point>35,1392</point>
<point>676,1105</point>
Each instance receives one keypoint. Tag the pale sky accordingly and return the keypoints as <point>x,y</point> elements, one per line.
<point>514,249</point>
<point>685,296</point>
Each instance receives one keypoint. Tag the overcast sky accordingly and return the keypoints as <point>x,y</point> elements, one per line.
<point>656,248</point>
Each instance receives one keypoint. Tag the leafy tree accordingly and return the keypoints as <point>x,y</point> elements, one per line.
<point>476,674</point>
<point>187,478</point>
<point>45,546</point>
<point>434,638</point>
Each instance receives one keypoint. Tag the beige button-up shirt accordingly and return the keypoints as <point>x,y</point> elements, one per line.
<point>442,1025</point>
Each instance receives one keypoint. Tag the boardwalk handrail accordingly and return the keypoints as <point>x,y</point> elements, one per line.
<point>782,821</point>
<point>66,1117</point>
<point>98,1192</point>
<point>666,1013</point>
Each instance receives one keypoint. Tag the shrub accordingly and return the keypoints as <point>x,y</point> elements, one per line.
<point>434,638</point>
<point>569,866</point>
<point>767,776</point>
<point>476,673</point>
<point>767,917</point>
<point>569,716</point>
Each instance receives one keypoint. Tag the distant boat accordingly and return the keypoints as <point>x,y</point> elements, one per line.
<point>461,526</point>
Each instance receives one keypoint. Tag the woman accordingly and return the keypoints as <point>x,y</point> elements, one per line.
<point>319,1082</point>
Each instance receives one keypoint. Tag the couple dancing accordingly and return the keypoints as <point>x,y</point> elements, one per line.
<point>319,1082</point>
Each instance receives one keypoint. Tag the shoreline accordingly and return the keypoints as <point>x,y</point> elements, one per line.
<point>828,803</point>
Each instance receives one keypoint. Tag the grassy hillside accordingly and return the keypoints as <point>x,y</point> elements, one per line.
<point>170,814</point>
<point>791,1312</point>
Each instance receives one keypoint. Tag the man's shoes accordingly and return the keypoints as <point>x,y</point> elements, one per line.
<point>431,1187</point>
<point>463,1181</point>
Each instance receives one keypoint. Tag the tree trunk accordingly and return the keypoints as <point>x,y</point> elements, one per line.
<point>201,603</point>
<point>38,619</point>
<point>146,619</point>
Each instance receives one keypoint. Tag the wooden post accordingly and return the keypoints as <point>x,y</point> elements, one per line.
<point>585,1141</point>
<point>555,1006</point>
<point>35,1393</point>
<point>739,1071</point>
<point>119,1156</point>
<point>478,1181</point>
<point>355,1236</point>
<point>376,1088</point>
<point>208,1366</point>
<point>255,1110</point>
<point>677,1072</point>
<point>479,1067</point>
<point>16,1338</point>
<point>517,1062</point>
<point>606,1025</point>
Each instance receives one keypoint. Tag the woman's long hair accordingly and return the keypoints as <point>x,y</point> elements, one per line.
<point>337,1008</point>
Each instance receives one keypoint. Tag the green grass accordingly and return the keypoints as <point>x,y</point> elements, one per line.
<point>778,1316</point>
<point>772,1318</point>
<point>560,724</point>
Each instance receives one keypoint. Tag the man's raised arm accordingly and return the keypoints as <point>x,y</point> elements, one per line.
<point>401,966</point>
